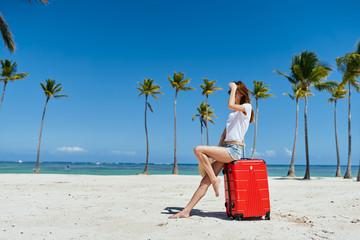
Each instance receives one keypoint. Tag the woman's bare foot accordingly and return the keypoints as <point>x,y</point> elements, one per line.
<point>179,215</point>
<point>216,186</point>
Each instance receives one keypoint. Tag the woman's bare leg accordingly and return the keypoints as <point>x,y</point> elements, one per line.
<point>220,154</point>
<point>200,192</point>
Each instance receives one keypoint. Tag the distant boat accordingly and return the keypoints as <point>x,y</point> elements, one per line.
<point>19,161</point>
<point>67,167</point>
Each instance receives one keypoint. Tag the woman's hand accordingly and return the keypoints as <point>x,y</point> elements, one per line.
<point>232,85</point>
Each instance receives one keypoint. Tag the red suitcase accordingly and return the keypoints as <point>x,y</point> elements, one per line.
<point>246,189</point>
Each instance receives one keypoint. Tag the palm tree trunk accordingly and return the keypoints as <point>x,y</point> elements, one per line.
<point>2,98</point>
<point>358,177</point>
<point>291,172</point>
<point>338,169</point>
<point>38,152</point>
<point>256,121</point>
<point>147,140</point>
<point>207,129</point>
<point>348,170</point>
<point>175,169</point>
<point>307,173</point>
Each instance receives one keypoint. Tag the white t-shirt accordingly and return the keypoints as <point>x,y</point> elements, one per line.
<point>237,124</point>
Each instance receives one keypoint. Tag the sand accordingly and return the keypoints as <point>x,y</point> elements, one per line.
<point>55,206</point>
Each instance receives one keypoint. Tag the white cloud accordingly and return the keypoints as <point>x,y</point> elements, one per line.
<point>288,152</point>
<point>117,152</point>
<point>270,153</point>
<point>267,153</point>
<point>70,149</point>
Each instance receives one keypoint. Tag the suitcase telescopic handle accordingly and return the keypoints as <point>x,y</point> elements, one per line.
<point>229,191</point>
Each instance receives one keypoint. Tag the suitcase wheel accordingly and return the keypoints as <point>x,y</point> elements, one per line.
<point>239,217</point>
<point>267,216</point>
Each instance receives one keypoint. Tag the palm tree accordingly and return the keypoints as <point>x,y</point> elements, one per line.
<point>7,35</point>
<point>8,70</point>
<point>51,89</point>
<point>178,82</point>
<point>204,113</point>
<point>297,94</point>
<point>260,91</point>
<point>307,71</point>
<point>337,93</point>
<point>148,87</point>
<point>350,66</point>
<point>208,88</point>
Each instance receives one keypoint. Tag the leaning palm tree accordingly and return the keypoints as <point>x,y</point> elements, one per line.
<point>298,93</point>
<point>203,113</point>
<point>148,87</point>
<point>6,34</point>
<point>307,71</point>
<point>178,82</point>
<point>51,89</point>
<point>350,67</point>
<point>337,93</point>
<point>208,88</point>
<point>260,91</point>
<point>8,73</point>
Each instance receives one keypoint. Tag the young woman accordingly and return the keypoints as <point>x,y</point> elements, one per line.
<point>229,148</point>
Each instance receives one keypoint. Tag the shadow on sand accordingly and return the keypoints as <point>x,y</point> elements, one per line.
<point>295,178</point>
<point>196,212</point>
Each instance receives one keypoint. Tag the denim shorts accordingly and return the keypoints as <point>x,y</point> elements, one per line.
<point>233,150</point>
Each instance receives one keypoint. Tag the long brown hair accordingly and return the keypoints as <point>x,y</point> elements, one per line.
<point>245,98</point>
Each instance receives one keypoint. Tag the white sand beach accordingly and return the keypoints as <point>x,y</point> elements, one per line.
<point>48,206</point>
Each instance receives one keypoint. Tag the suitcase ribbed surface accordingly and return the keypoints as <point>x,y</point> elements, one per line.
<point>249,190</point>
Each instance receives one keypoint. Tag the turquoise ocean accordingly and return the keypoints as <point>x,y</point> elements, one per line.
<point>91,168</point>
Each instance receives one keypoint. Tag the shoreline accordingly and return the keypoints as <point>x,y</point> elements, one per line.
<point>174,175</point>
<point>274,170</point>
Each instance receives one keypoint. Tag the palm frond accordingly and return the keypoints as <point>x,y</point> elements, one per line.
<point>298,73</point>
<point>7,35</point>
<point>150,107</point>
<point>41,1</point>
<point>291,80</point>
<point>43,86</point>
<point>291,96</point>
<point>318,74</point>
<point>341,63</point>
<point>19,76</point>
<point>328,86</point>
<point>196,115</point>
<point>355,84</point>
<point>156,97</point>
<point>58,96</point>
<point>185,81</point>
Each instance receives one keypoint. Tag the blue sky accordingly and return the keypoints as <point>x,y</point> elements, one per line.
<point>100,51</point>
